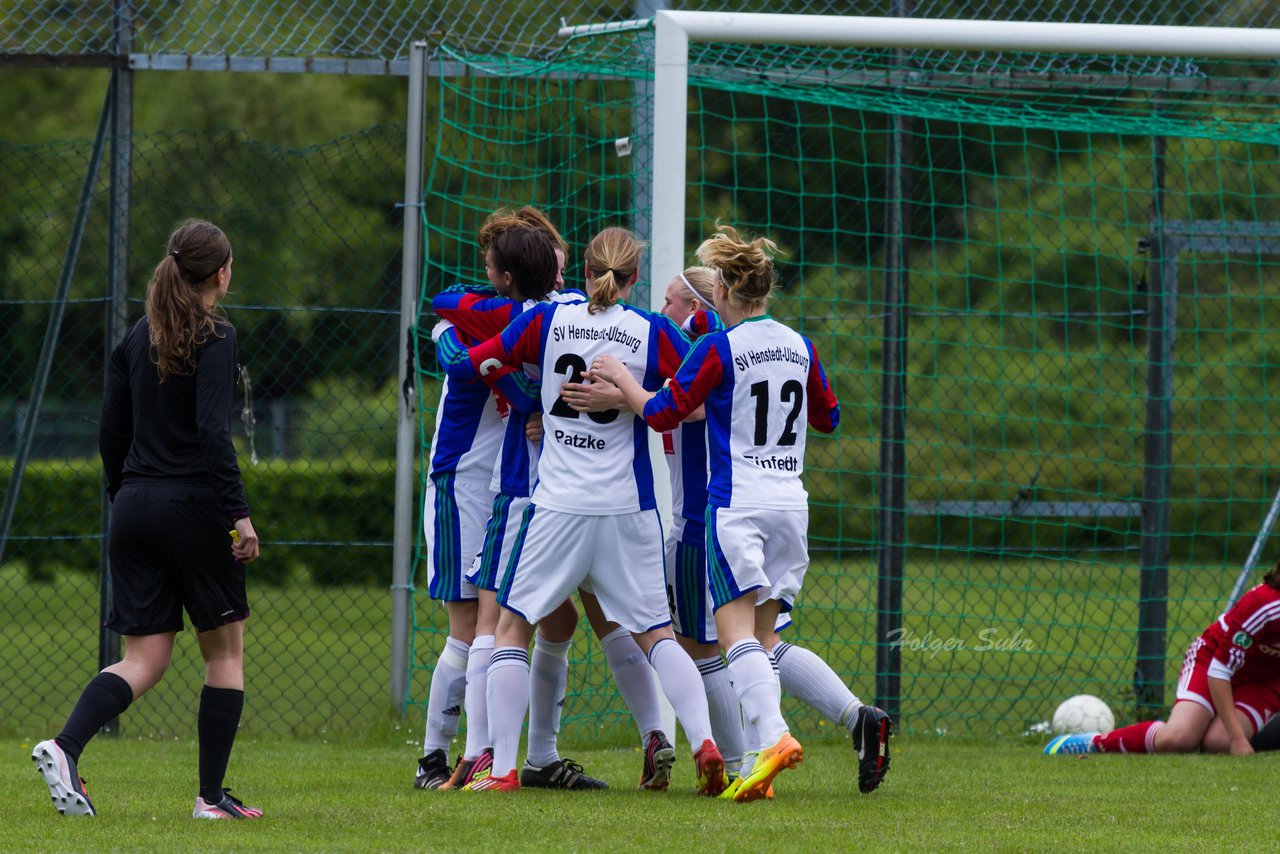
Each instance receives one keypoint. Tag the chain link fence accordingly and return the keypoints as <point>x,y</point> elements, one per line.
<point>317,237</point>
<point>316,303</point>
<point>383,30</point>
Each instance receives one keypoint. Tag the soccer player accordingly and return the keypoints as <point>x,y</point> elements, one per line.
<point>478,316</point>
<point>468,437</point>
<point>689,302</point>
<point>593,521</point>
<point>175,490</point>
<point>1228,690</point>
<point>755,379</point>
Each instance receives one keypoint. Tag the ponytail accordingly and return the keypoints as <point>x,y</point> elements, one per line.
<point>613,256</point>
<point>745,266</point>
<point>1272,578</point>
<point>176,314</point>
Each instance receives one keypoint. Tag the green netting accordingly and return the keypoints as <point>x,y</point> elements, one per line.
<point>1032,243</point>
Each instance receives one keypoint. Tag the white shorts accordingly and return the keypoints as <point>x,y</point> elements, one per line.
<point>749,549</point>
<point>499,536</point>
<point>454,511</point>
<point>618,558</point>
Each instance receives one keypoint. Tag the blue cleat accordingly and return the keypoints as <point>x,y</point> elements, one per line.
<point>1079,742</point>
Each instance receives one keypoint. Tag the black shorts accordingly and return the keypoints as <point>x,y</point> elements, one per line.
<point>169,549</point>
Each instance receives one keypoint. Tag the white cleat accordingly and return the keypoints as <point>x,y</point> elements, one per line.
<point>66,789</point>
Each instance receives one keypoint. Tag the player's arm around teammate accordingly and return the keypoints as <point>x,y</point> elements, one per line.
<point>520,263</point>
<point>518,269</point>
<point>575,533</point>
<point>175,488</point>
<point>755,378</point>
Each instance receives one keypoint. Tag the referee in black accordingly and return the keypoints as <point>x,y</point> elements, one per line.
<point>180,533</point>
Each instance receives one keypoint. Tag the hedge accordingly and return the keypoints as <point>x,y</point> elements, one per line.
<point>331,520</point>
<point>318,507</point>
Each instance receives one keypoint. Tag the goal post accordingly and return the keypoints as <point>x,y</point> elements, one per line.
<point>674,32</point>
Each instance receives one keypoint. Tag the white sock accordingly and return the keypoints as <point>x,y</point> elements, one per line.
<point>680,682</point>
<point>444,703</point>
<point>722,703</point>
<point>752,736</point>
<point>634,678</point>
<point>508,701</point>
<point>811,680</point>
<point>477,702</point>
<point>547,679</point>
<point>751,669</point>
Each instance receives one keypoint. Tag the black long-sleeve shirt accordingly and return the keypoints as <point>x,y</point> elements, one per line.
<point>179,429</point>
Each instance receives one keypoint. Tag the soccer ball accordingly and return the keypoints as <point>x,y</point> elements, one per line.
<point>1083,713</point>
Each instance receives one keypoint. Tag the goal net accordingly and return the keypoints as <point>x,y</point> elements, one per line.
<point>1044,281</point>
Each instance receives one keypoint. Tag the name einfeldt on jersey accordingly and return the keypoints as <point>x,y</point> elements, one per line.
<point>590,333</point>
<point>775,463</point>
<point>577,440</point>
<point>771,354</point>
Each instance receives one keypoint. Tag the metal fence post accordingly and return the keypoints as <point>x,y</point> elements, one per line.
<point>406,428</point>
<point>118,280</point>
<point>892,511</point>
<point>1162,313</point>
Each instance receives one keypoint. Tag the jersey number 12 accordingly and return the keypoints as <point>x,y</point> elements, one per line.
<point>792,392</point>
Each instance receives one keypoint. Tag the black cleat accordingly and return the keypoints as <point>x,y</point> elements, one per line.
<point>433,771</point>
<point>561,774</point>
<point>228,806</point>
<point>659,756</point>
<point>871,731</point>
<point>467,770</point>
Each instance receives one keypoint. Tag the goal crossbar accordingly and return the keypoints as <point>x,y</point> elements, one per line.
<point>960,34</point>
<point>674,30</point>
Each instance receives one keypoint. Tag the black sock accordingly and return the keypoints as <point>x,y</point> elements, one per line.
<point>219,718</point>
<point>1267,738</point>
<point>102,701</point>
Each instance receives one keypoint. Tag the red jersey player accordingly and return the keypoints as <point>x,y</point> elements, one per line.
<point>1234,664</point>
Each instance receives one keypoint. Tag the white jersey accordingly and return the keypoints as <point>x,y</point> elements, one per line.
<point>761,382</point>
<point>516,468</point>
<point>469,423</point>
<point>592,464</point>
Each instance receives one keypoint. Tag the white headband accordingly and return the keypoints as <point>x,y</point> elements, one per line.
<point>696,295</point>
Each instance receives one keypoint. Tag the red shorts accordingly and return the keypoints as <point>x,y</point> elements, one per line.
<point>1259,700</point>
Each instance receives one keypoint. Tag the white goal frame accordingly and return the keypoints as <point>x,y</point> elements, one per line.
<point>674,30</point>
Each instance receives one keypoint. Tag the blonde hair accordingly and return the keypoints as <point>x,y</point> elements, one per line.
<point>613,256</point>
<point>702,281</point>
<point>745,266</point>
<point>178,321</point>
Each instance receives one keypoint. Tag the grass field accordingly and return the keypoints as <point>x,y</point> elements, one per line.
<point>321,753</point>
<point>317,657</point>
<point>942,795</point>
